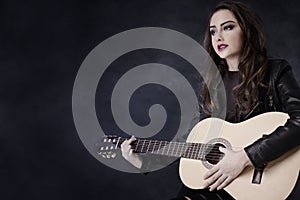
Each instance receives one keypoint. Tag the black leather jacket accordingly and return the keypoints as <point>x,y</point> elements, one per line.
<point>282,95</point>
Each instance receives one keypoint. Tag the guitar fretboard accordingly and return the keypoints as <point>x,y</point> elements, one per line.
<point>197,151</point>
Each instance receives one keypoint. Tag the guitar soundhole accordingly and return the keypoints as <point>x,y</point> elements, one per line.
<point>214,155</point>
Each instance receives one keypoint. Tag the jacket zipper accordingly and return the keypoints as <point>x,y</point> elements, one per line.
<point>251,111</point>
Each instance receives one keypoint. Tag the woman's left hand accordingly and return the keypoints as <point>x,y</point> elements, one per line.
<point>230,167</point>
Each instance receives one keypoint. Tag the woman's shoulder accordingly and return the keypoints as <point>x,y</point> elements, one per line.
<point>277,62</point>
<point>277,66</point>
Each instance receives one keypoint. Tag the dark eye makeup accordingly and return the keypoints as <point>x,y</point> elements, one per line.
<point>225,28</point>
<point>228,27</point>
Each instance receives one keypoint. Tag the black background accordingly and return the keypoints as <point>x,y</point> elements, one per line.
<point>42,46</point>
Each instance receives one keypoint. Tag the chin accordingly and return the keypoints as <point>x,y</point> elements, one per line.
<point>222,56</point>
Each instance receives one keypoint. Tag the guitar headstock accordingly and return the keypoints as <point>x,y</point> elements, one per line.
<point>106,147</point>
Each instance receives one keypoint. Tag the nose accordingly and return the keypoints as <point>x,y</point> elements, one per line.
<point>219,37</point>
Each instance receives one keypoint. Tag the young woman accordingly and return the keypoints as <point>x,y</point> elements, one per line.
<point>254,84</point>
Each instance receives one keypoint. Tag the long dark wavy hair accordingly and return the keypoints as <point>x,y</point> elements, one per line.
<point>253,60</point>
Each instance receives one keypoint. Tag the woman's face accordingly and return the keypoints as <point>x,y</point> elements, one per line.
<point>226,35</point>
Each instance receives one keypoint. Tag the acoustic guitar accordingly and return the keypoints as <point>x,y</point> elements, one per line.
<point>201,152</point>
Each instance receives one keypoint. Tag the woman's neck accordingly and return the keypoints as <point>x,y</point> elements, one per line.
<point>233,64</point>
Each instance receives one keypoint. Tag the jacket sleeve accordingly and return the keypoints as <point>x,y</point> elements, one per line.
<point>286,137</point>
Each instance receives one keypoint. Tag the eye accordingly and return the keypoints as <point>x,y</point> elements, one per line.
<point>212,32</point>
<point>228,27</point>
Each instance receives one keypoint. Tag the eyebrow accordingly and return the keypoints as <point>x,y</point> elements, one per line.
<point>213,26</point>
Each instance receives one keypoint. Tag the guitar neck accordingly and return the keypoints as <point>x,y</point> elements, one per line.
<point>172,149</point>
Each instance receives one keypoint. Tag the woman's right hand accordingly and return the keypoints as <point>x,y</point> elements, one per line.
<point>127,153</point>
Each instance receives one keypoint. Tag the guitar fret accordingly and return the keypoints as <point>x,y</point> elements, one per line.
<point>168,149</point>
<point>116,146</point>
<point>160,148</point>
<point>175,149</point>
<point>199,153</point>
<point>148,145</point>
<point>184,150</point>
<point>176,143</point>
<point>198,150</point>
<point>159,143</point>
<point>170,145</point>
<point>143,146</point>
<point>189,150</point>
<point>163,149</point>
<point>173,145</point>
<point>203,152</point>
<point>193,150</point>
<point>154,150</point>
<point>178,149</point>
<point>172,148</point>
<point>136,146</point>
<point>153,146</point>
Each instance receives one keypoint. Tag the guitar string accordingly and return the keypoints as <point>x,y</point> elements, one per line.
<point>171,143</point>
<point>153,144</point>
<point>158,141</point>
<point>192,153</point>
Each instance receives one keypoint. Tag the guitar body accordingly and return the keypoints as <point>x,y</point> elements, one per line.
<point>279,176</point>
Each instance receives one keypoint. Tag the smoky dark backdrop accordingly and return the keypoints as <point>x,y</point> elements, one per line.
<point>42,46</point>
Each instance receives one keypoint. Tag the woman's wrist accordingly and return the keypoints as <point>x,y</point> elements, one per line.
<point>135,160</point>
<point>245,159</point>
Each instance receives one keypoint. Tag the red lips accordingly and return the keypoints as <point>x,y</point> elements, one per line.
<point>221,47</point>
